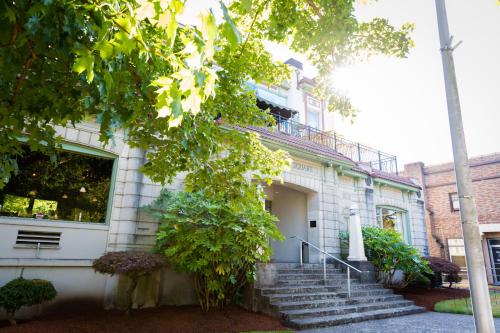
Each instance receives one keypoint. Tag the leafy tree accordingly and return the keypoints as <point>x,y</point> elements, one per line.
<point>214,240</point>
<point>22,292</point>
<point>132,65</point>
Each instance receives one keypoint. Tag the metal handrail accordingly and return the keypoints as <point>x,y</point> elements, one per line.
<point>324,263</point>
<point>324,252</point>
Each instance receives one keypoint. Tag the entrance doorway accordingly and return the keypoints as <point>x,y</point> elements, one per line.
<point>290,206</point>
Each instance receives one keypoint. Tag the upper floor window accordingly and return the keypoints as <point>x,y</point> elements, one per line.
<point>389,218</point>
<point>74,188</point>
<point>313,107</point>
<point>454,202</point>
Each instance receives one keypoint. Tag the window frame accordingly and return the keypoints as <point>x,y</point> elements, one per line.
<point>405,221</point>
<point>452,206</point>
<point>87,151</point>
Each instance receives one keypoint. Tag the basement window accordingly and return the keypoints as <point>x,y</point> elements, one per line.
<point>75,187</point>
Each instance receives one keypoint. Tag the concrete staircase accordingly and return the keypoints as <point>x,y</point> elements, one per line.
<point>300,296</point>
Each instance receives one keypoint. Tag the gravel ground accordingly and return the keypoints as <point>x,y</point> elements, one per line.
<point>428,322</point>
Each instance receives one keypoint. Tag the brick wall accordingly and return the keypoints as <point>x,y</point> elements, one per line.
<point>439,181</point>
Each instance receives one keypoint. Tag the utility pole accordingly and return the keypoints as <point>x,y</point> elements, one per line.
<point>481,306</point>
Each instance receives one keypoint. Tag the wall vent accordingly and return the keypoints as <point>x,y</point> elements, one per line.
<point>38,239</point>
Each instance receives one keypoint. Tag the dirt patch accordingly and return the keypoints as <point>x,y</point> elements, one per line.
<point>428,297</point>
<point>163,319</point>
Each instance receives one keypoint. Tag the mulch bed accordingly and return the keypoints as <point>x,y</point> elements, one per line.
<point>163,319</point>
<point>428,297</point>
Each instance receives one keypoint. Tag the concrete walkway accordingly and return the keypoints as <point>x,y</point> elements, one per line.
<point>428,322</point>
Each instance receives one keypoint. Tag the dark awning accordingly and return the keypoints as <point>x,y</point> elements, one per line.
<point>275,108</point>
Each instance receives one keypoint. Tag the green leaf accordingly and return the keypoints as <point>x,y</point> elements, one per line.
<point>84,62</point>
<point>105,49</point>
<point>229,29</point>
<point>246,5</point>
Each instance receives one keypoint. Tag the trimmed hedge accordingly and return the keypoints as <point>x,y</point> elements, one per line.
<point>22,292</point>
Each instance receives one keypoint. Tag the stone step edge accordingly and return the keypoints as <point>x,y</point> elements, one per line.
<point>329,321</point>
<point>355,306</point>
<point>354,300</point>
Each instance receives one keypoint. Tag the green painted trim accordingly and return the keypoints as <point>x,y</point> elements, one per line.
<point>394,184</point>
<point>111,194</point>
<point>407,227</point>
<point>354,174</point>
<point>77,148</point>
<point>301,153</point>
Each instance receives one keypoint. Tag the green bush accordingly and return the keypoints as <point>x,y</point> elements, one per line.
<point>22,292</point>
<point>218,241</point>
<point>133,265</point>
<point>389,253</point>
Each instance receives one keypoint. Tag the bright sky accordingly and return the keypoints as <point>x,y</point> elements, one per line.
<point>402,102</point>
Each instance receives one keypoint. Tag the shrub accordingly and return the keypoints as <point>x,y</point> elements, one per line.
<point>389,253</point>
<point>133,265</point>
<point>441,266</point>
<point>23,292</point>
<point>218,241</point>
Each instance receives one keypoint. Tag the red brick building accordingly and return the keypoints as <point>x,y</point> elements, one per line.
<point>443,212</point>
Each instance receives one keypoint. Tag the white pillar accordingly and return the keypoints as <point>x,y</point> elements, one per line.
<point>356,247</point>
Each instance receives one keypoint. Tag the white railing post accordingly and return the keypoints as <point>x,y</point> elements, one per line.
<point>324,267</point>
<point>348,282</point>
<point>300,249</point>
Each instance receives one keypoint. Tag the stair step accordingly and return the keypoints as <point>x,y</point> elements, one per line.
<point>296,305</point>
<point>296,276</point>
<point>364,292</point>
<point>298,289</point>
<point>313,282</point>
<point>339,285</point>
<point>304,266</point>
<point>346,309</point>
<point>309,271</point>
<point>274,298</point>
<point>325,321</point>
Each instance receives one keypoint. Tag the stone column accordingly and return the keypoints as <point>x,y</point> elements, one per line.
<point>357,256</point>
<point>356,247</point>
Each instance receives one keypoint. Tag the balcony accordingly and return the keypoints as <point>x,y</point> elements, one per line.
<point>357,152</point>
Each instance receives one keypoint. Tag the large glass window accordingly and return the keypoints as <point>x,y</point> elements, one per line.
<point>389,218</point>
<point>73,188</point>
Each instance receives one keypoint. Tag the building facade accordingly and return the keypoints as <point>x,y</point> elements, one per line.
<point>443,211</point>
<point>54,223</point>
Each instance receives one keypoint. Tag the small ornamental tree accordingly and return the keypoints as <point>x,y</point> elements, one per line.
<point>217,241</point>
<point>23,292</point>
<point>133,265</point>
<point>389,253</point>
<point>441,266</point>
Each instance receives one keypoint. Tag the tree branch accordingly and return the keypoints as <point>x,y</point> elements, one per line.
<point>26,67</point>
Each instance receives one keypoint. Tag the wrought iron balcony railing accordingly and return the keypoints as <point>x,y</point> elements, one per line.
<point>357,152</point>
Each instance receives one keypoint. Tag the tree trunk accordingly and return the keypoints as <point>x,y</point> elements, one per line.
<point>10,317</point>
<point>130,293</point>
